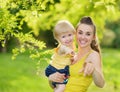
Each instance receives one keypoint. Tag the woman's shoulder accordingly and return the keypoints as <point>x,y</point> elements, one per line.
<point>94,53</point>
<point>93,56</point>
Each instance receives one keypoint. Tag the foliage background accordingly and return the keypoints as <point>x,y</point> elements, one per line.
<point>26,29</point>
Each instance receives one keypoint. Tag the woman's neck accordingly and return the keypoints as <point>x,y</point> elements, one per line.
<point>83,51</point>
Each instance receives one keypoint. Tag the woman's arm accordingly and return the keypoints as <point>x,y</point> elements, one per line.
<point>93,66</point>
<point>98,79</point>
<point>57,77</point>
<point>97,73</point>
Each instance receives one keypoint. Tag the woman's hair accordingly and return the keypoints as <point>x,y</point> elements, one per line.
<point>88,21</point>
<point>62,26</point>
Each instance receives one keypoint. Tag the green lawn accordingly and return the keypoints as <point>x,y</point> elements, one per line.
<point>20,75</point>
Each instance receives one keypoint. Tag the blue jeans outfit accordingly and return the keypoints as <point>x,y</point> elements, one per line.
<point>50,70</point>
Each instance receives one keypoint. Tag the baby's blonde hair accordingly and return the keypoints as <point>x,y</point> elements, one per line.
<point>63,26</point>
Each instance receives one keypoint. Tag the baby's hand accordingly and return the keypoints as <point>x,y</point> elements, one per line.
<point>70,52</point>
<point>73,59</point>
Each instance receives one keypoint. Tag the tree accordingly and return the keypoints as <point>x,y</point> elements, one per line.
<point>25,19</point>
<point>73,10</point>
<point>13,15</point>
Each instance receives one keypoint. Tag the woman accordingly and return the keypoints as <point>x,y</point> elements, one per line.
<point>87,62</point>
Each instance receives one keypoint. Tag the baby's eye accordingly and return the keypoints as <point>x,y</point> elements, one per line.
<point>69,34</point>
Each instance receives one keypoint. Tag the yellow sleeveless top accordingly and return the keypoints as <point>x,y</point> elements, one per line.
<point>60,61</point>
<point>77,81</point>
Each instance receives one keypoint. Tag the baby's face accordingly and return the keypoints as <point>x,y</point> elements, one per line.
<point>66,38</point>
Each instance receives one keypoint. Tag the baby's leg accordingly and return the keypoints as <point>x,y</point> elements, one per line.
<point>59,88</point>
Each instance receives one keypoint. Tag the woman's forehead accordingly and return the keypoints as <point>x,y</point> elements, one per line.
<point>85,27</point>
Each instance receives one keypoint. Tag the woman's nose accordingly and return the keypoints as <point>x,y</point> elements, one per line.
<point>82,36</point>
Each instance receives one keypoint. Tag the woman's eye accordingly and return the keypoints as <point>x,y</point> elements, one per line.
<point>79,32</point>
<point>88,34</point>
<point>63,36</point>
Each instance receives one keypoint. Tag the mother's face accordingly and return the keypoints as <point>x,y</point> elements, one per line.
<point>85,35</point>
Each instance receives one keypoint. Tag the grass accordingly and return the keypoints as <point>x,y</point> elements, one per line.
<point>20,75</point>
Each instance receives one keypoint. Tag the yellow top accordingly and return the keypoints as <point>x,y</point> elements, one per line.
<point>60,61</point>
<point>77,81</point>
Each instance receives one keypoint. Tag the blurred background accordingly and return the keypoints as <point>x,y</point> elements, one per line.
<point>26,40</point>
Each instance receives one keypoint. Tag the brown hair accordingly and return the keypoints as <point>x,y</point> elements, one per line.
<point>87,20</point>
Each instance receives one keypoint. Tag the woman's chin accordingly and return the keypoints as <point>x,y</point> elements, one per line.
<point>82,45</point>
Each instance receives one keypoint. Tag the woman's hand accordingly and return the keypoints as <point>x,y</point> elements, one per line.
<point>88,68</point>
<point>57,77</point>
